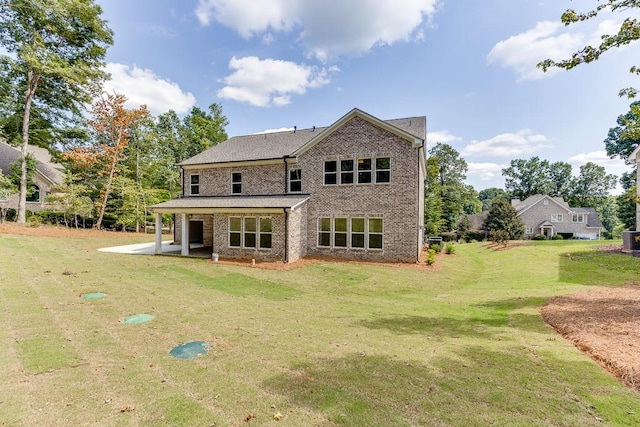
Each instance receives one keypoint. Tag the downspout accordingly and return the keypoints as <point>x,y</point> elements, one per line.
<point>286,174</point>
<point>286,235</point>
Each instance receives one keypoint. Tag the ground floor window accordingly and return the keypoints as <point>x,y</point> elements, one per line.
<point>250,232</point>
<point>529,230</point>
<point>358,232</point>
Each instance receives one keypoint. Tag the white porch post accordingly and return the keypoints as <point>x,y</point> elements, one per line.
<point>158,233</point>
<point>184,241</point>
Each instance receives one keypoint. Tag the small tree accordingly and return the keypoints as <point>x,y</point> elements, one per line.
<point>504,217</point>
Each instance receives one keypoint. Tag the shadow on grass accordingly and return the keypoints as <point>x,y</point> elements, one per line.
<point>234,283</point>
<point>437,326</point>
<point>597,268</point>
<point>477,387</point>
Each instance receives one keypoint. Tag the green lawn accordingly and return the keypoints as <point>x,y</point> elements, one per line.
<point>326,344</point>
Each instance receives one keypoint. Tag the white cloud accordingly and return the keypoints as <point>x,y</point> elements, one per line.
<point>143,86</point>
<point>268,82</point>
<point>485,171</point>
<point>326,29</point>
<point>508,145</point>
<point>524,51</point>
<point>614,166</point>
<point>443,136</point>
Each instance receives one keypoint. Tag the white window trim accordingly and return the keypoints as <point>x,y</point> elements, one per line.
<point>557,218</point>
<point>295,180</point>
<point>192,185</point>
<point>579,215</point>
<point>236,183</point>
<point>332,232</point>
<point>325,173</point>
<point>356,170</point>
<point>242,233</point>
<point>528,230</point>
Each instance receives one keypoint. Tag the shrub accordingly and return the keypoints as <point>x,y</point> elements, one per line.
<point>449,236</point>
<point>539,237</point>
<point>449,249</point>
<point>34,221</point>
<point>499,236</point>
<point>557,237</point>
<point>477,235</point>
<point>436,248</point>
<point>431,257</point>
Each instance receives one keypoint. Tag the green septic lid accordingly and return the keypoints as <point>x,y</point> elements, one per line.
<point>137,318</point>
<point>190,350</point>
<point>94,295</point>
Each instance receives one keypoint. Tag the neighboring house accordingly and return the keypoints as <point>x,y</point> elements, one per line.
<point>47,176</point>
<point>549,216</point>
<point>353,190</point>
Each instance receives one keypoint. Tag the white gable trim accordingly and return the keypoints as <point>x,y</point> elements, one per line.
<point>416,142</point>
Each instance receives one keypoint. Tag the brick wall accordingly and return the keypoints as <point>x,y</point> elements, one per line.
<point>397,202</point>
<point>256,180</point>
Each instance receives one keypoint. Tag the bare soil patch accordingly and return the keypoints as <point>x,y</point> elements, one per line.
<point>604,323</point>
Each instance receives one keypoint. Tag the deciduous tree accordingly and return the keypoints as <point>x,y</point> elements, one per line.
<point>628,32</point>
<point>56,54</point>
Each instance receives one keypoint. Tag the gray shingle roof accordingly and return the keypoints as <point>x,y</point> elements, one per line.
<point>231,202</point>
<point>9,155</point>
<point>279,144</point>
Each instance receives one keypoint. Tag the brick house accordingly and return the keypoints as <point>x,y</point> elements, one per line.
<point>352,190</point>
<point>48,175</point>
<point>549,216</point>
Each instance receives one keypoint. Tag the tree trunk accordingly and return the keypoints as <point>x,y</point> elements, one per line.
<point>32,84</point>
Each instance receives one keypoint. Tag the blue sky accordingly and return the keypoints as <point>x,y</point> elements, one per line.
<point>469,66</point>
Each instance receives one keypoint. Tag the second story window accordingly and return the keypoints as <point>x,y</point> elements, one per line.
<point>577,218</point>
<point>295,181</point>
<point>556,218</point>
<point>236,183</point>
<point>330,172</point>
<point>364,171</point>
<point>346,172</point>
<point>194,188</point>
<point>383,170</point>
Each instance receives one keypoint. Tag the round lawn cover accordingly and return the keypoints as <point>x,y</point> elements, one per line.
<point>190,350</point>
<point>137,318</point>
<point>94,295</point>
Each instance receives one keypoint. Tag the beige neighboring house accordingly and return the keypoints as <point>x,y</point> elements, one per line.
<point>549,216</point>
<point>47,176</point>
<point>352,190</point>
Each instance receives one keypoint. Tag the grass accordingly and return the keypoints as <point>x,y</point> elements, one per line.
<point>326,344</point>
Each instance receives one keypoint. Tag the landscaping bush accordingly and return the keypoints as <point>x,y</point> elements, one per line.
<point>431,257</point>
<point>34,221</point>
<point>449,236</point>
<point>557,237</point>
<point>477,235</point>
<point>436,248</point>
<point>499,236</point>
<point>449,249</point>
<point>539,237</point>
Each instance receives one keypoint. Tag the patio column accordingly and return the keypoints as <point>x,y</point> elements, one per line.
<point>158,233</point>
<point>184,241</point>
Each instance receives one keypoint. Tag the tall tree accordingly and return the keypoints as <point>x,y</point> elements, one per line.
<point>433,219</point>
<point>57,50</point>
<point>628,32</point>
<point>503,217</point>
<point>624,138</point>
<point>592,186</point>
<point>627,200</point>
<point>451,172</point>
<point>560,176</point>
<point>524,178</point>
<point>487,195</point>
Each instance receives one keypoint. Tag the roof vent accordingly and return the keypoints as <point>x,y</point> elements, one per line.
<point>314,129</point>
<point>295,128</point>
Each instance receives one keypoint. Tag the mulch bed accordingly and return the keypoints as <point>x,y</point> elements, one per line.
<point>604,323</point>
